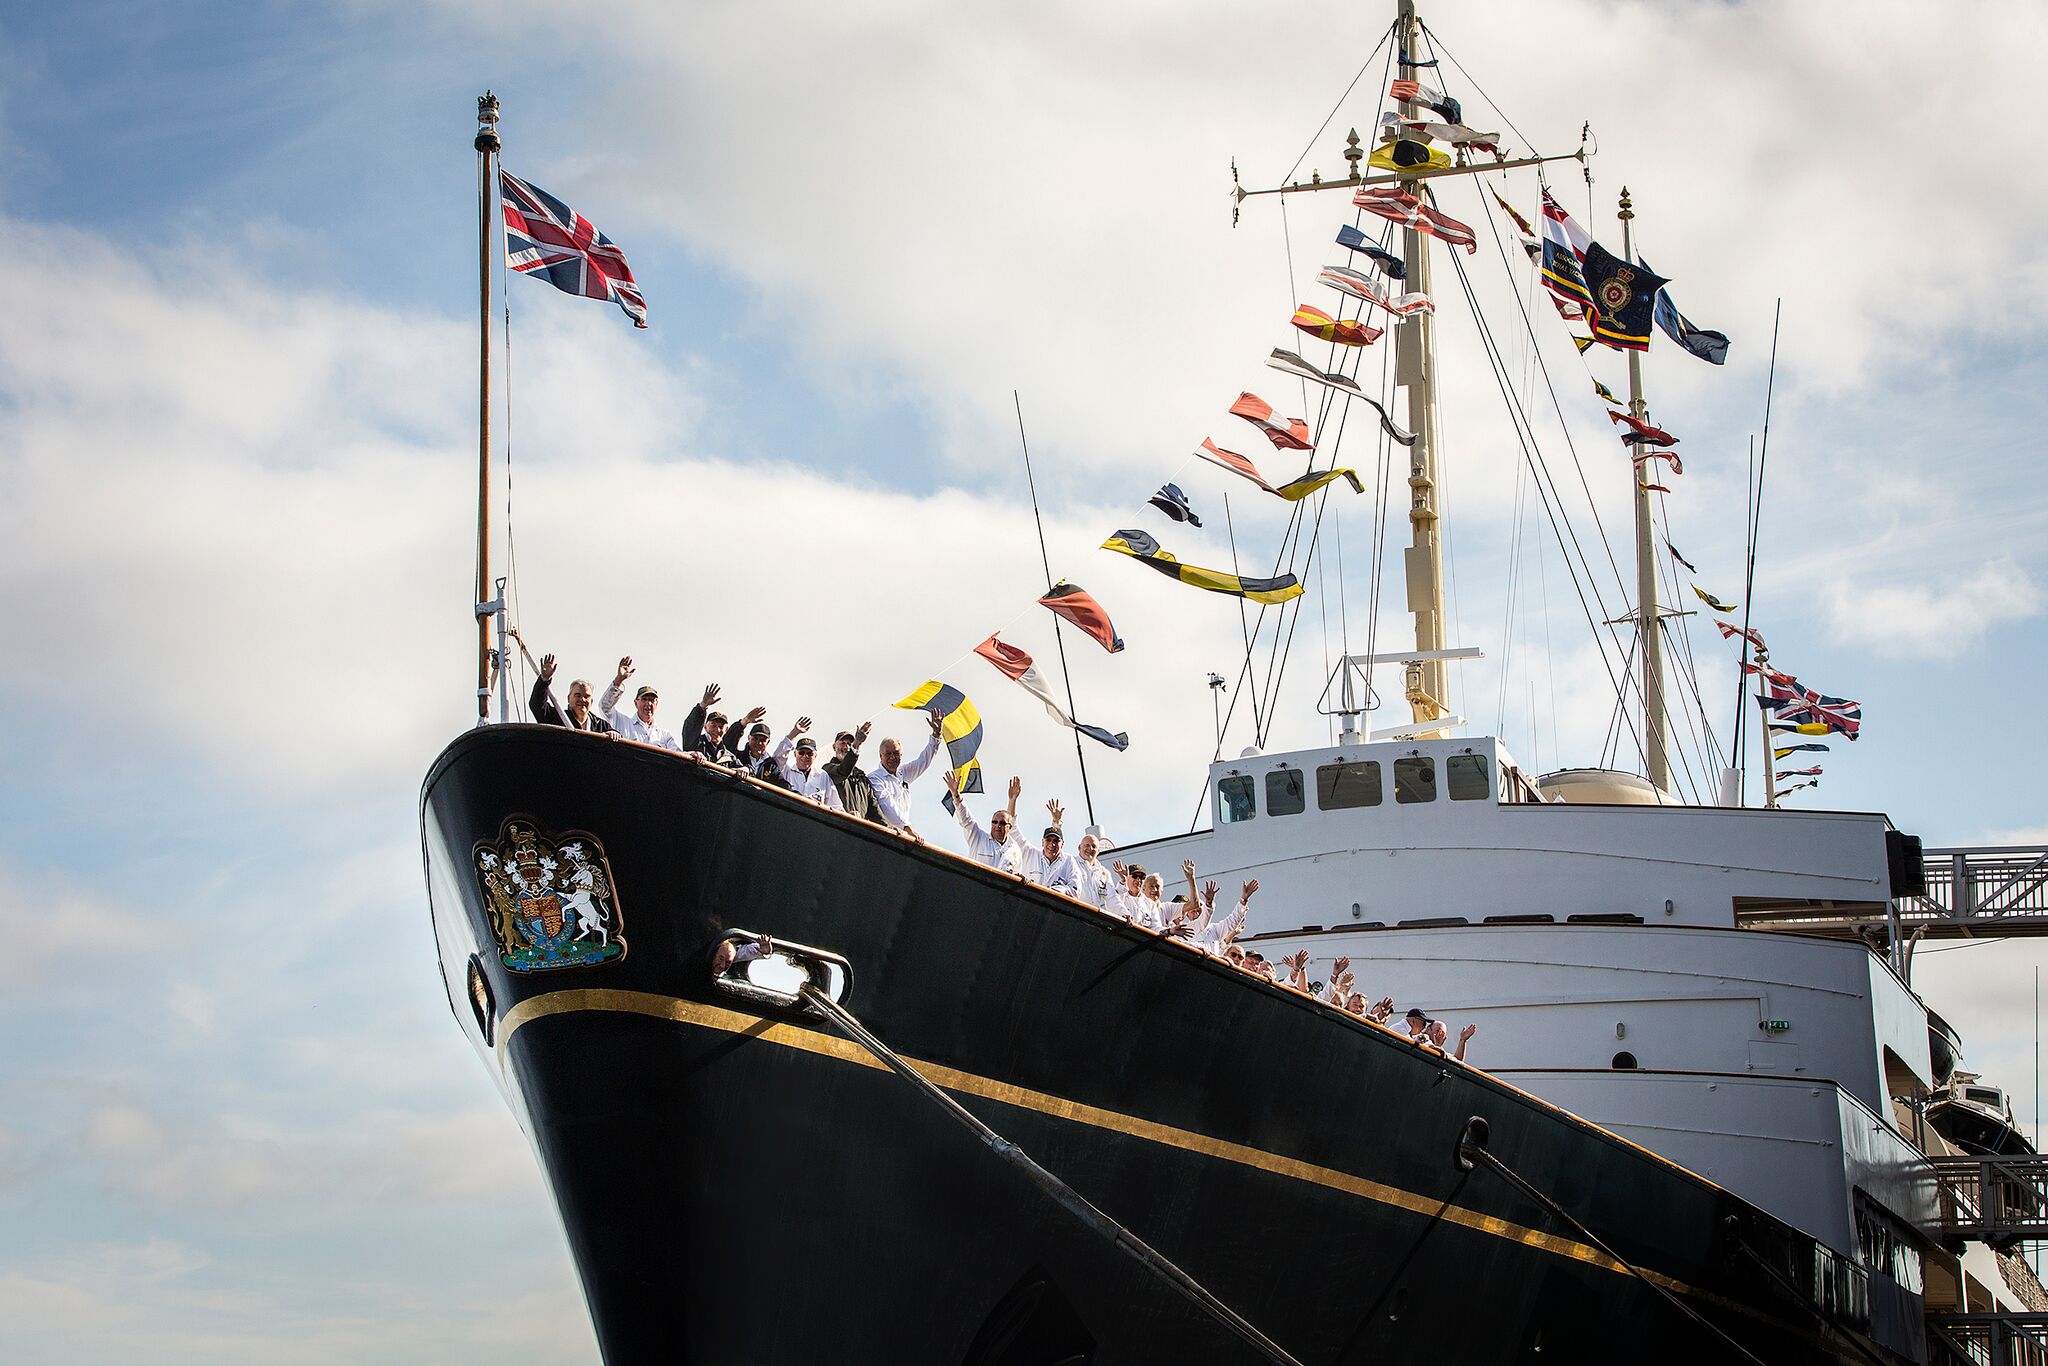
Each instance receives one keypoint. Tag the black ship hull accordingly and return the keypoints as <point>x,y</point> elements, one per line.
<point>740,1184</point>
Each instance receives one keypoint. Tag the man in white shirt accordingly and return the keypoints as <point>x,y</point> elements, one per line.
<point>1215,935</point>
<point>1139,900</point>
<point>997,846</point>
<point>1048,865</point>
<point>639,725</point>
<point>893,778</point>
<point>1097,885</point>
<point>800,771</point>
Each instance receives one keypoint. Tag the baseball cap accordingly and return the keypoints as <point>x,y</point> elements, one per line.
<point>760,728</point>
<point>645,691</point>
<point>807,746</point>
<point>1053,832</point>
<point>717,716</point>
<point>845,735</point>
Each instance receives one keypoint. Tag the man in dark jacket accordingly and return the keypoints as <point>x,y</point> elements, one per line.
<point>759,761</point>
<point>856,793</point>
<point>579,716</point>
<point>707,732</point>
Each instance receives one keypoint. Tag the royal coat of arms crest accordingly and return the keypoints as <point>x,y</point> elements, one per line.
<point>549,898</point>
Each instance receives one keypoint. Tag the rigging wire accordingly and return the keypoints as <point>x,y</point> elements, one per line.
<point>1437,49</point>
<point>1385,39</point>
<point>1560,525</point>
<point>1557,406</point>
<point>511,541</point>
<point>1755,529</point>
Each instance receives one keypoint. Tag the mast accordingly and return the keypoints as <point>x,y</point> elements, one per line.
<point>486,186</point>
<point>1655,754</point>
<point>1414,367</point>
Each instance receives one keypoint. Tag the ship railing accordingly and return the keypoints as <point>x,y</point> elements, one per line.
<point>1983,885</point>
<point>1990,1339</point>
<point>1996,1200</point>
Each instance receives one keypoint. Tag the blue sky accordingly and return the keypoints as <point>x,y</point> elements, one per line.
<point>236,437</point>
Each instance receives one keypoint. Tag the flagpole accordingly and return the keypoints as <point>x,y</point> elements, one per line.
<point>1649,624</point>
<point>484,607</point>
<point>1770,758</point>
<point>1067,679</point>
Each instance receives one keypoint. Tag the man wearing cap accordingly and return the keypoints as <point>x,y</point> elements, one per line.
<point>1138,902</point>
<point>796,758</point>
<point>856,793</point>
<point>755,758</point>
<point>639,725</point>
<point>893,778</point>
<point>1049,865</point>
<point>706,731</point>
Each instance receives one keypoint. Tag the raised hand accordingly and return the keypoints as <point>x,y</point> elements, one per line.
<point>953,782</point>
<point>1187,866</point>
<point>1245,890</point>
<point>625,671</point>
<point>547,668</point>
<point>1341,964</point>
<point>1209,893</point>
<point>803,723</point>
<point>1117,867</point>
<point>938,722</point>
<point>1016,790</point>
<point>1056,811</point>
<point>710,696</point>
<point>751,717</point>
<point>1465,1034</point>
<point>860,733</point>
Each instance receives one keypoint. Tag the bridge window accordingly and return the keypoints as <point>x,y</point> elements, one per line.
<point>1465,775</point>
<point>1339,786</point>
<point>1286,792</point>
<point>1414,780</point>
<point>1236,799</point>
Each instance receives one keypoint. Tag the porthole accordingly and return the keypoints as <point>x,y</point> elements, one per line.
<point>1624,1062</point>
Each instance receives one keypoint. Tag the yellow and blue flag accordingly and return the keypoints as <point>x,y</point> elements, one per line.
<point>959,727</point>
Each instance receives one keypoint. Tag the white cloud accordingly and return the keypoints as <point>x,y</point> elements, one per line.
<point>986,202</point>
<point>48,924</point>
<point>237,1162</point>
<point>1926,620</point>
<point>162,1300</point>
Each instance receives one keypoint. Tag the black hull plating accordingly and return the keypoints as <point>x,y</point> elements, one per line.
<point>742,1187</point>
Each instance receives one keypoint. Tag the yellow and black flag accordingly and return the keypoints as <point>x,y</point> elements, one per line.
<point>1143,548</point>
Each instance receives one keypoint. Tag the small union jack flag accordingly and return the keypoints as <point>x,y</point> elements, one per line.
<point>546,238</point>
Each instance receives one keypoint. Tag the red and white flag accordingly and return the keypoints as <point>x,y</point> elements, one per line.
<point>1361,286</point>
<point>1018,668</point>
<point>1396,206</point>
<point>1288,434</point>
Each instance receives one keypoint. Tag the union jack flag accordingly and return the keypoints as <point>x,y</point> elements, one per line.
<point>1798,705</point>
<point>546,238</point>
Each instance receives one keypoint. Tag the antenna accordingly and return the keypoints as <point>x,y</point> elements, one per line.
<point>1086,797</point>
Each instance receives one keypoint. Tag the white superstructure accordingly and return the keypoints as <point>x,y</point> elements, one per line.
<point>1601,948</point>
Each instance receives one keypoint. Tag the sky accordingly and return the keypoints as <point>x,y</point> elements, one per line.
<point>237,446</point>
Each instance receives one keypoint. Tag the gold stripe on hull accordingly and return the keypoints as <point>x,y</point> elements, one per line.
<point>969,1084</point>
